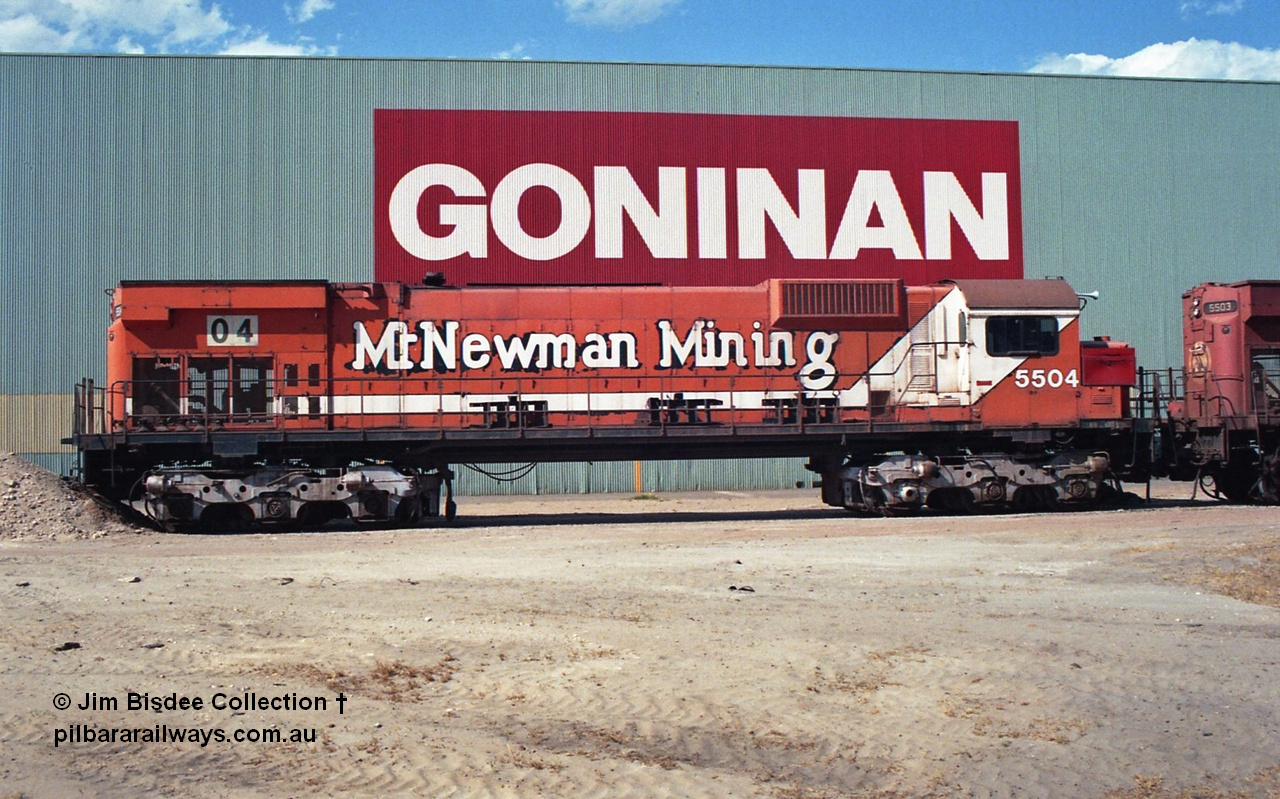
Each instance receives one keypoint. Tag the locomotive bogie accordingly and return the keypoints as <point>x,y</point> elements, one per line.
<point>907,483</point>
<point>196,498</point>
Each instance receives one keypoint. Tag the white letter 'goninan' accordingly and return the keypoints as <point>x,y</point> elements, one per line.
<point>470,235</point>
<point>575,211</point>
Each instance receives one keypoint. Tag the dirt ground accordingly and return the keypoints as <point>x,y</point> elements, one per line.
<point>715,644</point>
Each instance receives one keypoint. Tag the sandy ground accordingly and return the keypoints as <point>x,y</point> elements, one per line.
<point>721,644</point>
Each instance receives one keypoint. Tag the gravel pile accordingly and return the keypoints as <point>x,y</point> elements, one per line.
<point>35,503</point>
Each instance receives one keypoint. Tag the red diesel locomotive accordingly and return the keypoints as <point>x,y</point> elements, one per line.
<point>234,404</point>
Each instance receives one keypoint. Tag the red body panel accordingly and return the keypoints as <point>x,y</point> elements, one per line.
<point>1231,338</point>
<point>1108,363</point>
<point>365,356</point>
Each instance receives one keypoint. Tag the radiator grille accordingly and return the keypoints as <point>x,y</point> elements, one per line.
<point>840,304</point>
<point>843,298</point>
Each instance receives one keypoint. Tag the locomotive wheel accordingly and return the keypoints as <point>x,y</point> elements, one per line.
<point>874,499</point>
<point>1234,487</point>
<point>1270,484</point>
<point>228,518</point>
<point>409,513</point>
<point>1237,481</point>
<point>1050,499</point>
<point>952,500</point>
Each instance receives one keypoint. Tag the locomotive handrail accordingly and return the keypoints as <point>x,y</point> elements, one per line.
<point>88,409</point>
<point>1220,398</point>
<point>903,361</point>
<point>384,402</point>
<point>1157,388</point>
<point>519,404</point>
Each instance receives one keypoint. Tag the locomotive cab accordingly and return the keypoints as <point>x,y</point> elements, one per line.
<point>1010,350</point>
<point>1231,340</point>
<point>1229,418</point>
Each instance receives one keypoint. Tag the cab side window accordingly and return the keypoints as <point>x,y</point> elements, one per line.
<point>1022,335</point>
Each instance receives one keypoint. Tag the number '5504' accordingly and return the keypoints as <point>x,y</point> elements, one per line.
<point>1042,378</point>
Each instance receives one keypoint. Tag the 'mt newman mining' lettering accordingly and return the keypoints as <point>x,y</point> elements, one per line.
<point>427,346</point>
<point>873,216</point>
<point>441,347</point>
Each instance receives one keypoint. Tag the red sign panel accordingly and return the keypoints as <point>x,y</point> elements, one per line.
<point>560,197</point>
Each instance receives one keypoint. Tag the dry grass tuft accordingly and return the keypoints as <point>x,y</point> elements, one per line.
<point>1248,571</point>
<point>862,686</point>
<point>395,680</point>
<point>523,758</point>
<point>1049,730</point>
<point>625,745</point>
<point>988,720</point>
<point>1150,786</point>
<point>864,683</point>
<point>1252,576</point>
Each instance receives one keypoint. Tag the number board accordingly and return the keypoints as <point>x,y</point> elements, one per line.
<point>231,331</point>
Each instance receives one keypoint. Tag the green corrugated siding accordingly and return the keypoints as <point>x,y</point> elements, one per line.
<point>120,167</point>
<point>620,477</point>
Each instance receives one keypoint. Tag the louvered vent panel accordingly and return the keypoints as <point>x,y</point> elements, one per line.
<point>839,304</point>
<point>846,298</point>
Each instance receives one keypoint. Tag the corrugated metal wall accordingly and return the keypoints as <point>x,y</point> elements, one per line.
<point>634,477</point>
<point>119,167</point>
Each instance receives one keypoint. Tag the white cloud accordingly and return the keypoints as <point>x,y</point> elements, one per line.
<point>516,51</point>
<point>307,9</point>
<point>127,46</point>
<point>1192,58</point>
<point>262,45</point>
<point>1221,8</point>
<point>615,13</point>
<point>67,25</point>
<point>29,34</point>
<point>139,26</point>
<point>1228,8</point>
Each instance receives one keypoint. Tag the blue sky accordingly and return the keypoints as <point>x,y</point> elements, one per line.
<point>1232,39</point>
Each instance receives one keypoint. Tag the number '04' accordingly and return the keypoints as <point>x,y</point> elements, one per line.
<point>231,331</point>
